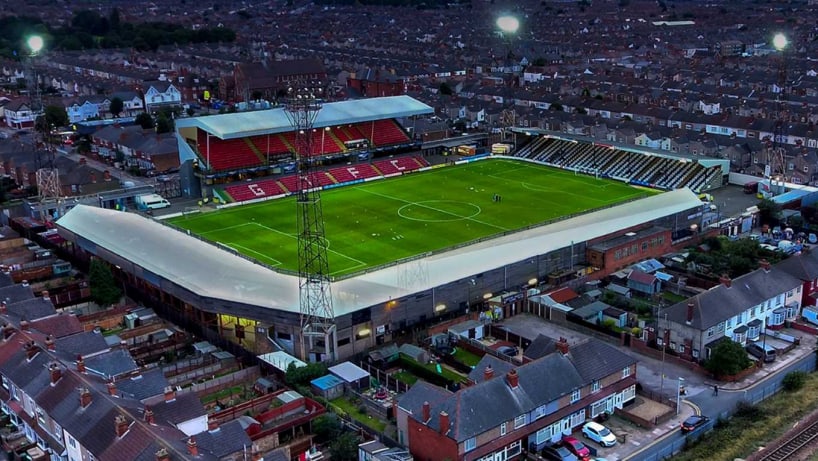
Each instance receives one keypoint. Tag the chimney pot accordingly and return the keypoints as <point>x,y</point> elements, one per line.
<point>80,364</point>
<point>149,416</point>
<point>111,388</point>
<point>513,379</point>
<point>56,373</point>
<point>121,425</point>
<point>726,281</point>
<point>31,350</point>
<point>49,343</point>
<point>562,345</point>
<point>46,297</point>
<point>444,422</point>
<point>192,447</point>
<point>162,455</point>
<point>427,412</point>
<point>85,397</point>
<point>765,265</point>
<point>170,394</point>
<point>488,373</point>
<point>24,325</point>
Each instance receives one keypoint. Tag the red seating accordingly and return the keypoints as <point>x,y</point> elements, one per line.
<point>226,154</point>
<point>397,165</point>
<point>290,182</point>
<point>383,132</point>
<point>271,144</point>
<point>354,172</point>
<point>330,146</point>
<point>264,188</point>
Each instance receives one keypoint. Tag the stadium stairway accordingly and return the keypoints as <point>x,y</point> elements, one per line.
<point>331,177</point>
<point>255,150</point>
<point>338,142</point>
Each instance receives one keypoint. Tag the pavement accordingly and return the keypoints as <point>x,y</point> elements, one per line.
<point>657,375</point>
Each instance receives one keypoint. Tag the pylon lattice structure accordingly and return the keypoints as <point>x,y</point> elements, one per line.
<point>318,328</point>
<point>48,190</point>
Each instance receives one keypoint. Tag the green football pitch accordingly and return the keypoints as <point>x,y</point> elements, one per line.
<point>378,222</point>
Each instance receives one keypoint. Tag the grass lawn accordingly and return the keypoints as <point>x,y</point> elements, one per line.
<point>378,222</point>
<point>742,435</point>
<point>405,377</point>
<point>465,357</point>
<point>445,371</point>
<point>351,411</point>
<point>222,394</point>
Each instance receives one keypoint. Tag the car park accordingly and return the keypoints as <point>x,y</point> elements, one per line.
<point>599,434</point>
<point>558,453</point>
<point>694,422</point>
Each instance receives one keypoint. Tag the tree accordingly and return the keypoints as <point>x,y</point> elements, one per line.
<point>769,212</point>
<point>163,124</point>
<point>303,375</point>
<point>794,380</point>
<point>54,116</point>
<point>145,120</point>
<point>326,427</point>
<point>104,290</point>
<point>345,447</point>
<point>727,358</point>
<point>117,106</point>
<point>445,89</point>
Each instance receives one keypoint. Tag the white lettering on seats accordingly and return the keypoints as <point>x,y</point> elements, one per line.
<point>395,164</point>
<point>355,173</point>
<point>256,190</point>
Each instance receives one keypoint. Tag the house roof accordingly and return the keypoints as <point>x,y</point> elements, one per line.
<point>499,368</point>
<point>227,439</point>
<point>803,266</point>
<point>150,383</point>
<point>348,371</point>
<point>58,326</point>
<point>721,302</point>
<point>184,407</point>
<point>562,295</point>
<point>641,277</point>
<point>540,347</point>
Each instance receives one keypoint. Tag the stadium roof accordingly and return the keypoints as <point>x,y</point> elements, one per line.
<point>213,272</point>
<point>242,124</point>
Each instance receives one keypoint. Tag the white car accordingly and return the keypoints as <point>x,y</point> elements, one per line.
<point>599,434</point>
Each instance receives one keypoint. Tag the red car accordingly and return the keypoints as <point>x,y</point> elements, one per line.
<point>576,447</point>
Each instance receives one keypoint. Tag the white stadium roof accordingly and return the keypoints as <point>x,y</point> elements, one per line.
<point>254,123</point>
<point>213,272</point>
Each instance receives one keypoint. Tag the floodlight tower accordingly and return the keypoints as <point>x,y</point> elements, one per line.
<point>780,43</point>
<point>48,178</point>
<point>317,316</point>
<point>508,25</point>
<point>35,44</point>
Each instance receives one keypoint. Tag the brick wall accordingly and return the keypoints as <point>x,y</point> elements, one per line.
<point>429,445</point>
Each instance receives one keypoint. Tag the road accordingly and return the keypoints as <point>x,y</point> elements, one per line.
<point>721,405</point>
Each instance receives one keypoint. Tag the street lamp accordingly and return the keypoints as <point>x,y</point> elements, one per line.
<point>662,369</point>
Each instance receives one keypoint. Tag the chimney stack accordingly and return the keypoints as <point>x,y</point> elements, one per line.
<point>513,379</point>
<point>31,350</point>
<point>24,325</point>
<point>49,343</point>
<point>93,178</point>
<point>427,412</point>
<point>106,175</point>
<point>192,447</point>
<point>56,373</point>
<point>725,280</point>
<point>170,394</point>
<point>3,309</point>
<point>257,456</point>
<point>80,364</point>
<point>765,265</point>
<point>112,388</point>
<point>444,423</point>
<point>562,345</point>
<point>46,296</point>
<point>8,330</point>
<point>121,425</point>
<point>149,416</point>
<point>85,397</point>
<point>212,424</point>
<point>690,307</point>
<point>162,455</point>
<point>488,373</point>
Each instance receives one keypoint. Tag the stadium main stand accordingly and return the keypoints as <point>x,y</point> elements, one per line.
<point>397,165</point>
<point>270,144</point>
<point>265,188</point>
<point>383,132</point>
<point>226,154</point>
<point>351,173</point>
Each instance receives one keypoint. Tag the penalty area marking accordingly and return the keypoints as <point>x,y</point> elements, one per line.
<point>454,216</point>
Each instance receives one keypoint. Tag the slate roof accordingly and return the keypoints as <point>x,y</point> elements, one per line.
<point>720,302</point>
<point>15,293</point>
<point>31,309</point>
<point>228,438</point>
<point>85,343</point>
<point>183,408</point>
<point>476,409</point>
<point>803,266</point>
<point>499,367</point>
<point>58,326</point>
<point>412,400</point>
<point>641,277</point>
<point>112,363</point>
<point>150,383</point>
<point>540,347</point>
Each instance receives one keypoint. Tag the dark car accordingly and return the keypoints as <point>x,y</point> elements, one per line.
<point>693,423</point>
<point>762,352</point>
<point>510,351</point>
<point>558,453</point>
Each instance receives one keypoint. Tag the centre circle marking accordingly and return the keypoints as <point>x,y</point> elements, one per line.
<point>402,211</point>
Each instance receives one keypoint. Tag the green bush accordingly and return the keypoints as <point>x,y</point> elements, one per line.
<point>794,381</point>
<point>747,410</point>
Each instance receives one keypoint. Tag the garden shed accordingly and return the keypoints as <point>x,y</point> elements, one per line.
<point>416,353</point>
<point>354,376</point>
<point>328,386</point>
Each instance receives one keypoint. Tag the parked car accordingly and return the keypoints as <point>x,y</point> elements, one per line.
<point>599,434</point>
<point>576,447</point>
<point>762,352</point>
<point>693,423</point>
<point>558,453</point>
<point>510,351</point>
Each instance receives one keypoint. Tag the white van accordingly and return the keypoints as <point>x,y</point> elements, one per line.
<point>151,202</point>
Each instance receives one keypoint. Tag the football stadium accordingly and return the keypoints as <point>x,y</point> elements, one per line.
<point>412,239</point>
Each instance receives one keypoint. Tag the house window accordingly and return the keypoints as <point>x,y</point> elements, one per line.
<point>72,442</point>
<point>519,421</point>
<point>514,449</point>
<point>470,444</point>
<point>695,353</point>
<point>503,429</point>
<point>595,386</point>
<point>575,396</point>
<point>626,372</point>
<point>681,348</point>
<point>710,332</point>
